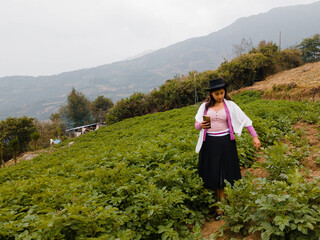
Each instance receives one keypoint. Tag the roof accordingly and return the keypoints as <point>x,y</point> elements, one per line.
<point>84,126</point>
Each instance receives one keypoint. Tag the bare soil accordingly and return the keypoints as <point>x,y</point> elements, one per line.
<point>312,135</point>
<point>26,156</point>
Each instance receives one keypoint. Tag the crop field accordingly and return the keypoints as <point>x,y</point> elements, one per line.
<point>137,179</point>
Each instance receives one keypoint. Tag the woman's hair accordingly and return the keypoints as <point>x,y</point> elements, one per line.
<point>210,100</point>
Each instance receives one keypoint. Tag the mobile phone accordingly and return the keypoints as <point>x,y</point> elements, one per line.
<point>206,118</point>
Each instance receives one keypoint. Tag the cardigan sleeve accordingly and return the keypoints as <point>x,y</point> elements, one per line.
<point>252,131</point>
<point>197,125</point>
<point>199,115</point>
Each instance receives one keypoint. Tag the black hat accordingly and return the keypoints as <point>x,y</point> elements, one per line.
<point>216,84</point>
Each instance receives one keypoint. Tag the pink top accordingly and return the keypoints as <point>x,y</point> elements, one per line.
<point>250,128</point>
<point>219,121</point>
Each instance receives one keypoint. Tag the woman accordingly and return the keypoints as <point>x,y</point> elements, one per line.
<point>218,157</point>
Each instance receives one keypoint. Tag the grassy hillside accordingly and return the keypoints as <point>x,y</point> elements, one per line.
<point>136,179</point>
<point>295,84</point>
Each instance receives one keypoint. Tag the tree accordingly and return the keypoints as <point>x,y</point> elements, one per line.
<point>34,137</point>
<point>310,48</point>
<point>242,48</point>
<point>77,112</point>
<point>128,108</point>
<point>16,128</point>
<point>100,107</point>
<point>21,128</point>
<point>239,72</point>
<point>57,124</point>
<point>14,146</point>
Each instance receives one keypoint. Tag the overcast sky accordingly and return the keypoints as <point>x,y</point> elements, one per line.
<point>46,37</point>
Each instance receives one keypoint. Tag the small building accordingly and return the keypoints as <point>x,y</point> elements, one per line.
<point>77,131</point>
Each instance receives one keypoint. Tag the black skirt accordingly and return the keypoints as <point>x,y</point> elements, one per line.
<point>218,161</point>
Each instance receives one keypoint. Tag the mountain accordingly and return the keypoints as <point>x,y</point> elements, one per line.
<point>40,96</point>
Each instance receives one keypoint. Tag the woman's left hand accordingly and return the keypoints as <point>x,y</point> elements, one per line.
<point>256,143</point>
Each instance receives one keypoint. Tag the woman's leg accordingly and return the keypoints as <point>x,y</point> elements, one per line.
<point>221,195</point>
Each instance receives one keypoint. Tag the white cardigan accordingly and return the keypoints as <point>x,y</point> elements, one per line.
<point>238,120</point>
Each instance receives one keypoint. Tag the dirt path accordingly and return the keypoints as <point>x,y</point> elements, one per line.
<point>312,135</point>
<point>310,162</point>
<point>27,156</point>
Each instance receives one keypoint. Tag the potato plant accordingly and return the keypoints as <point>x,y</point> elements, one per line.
<point>137,179</point>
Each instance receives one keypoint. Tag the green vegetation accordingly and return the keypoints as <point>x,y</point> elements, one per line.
<point>258,64</point>
<point>1,154</point>
<point>14,146</point>
<point>282,206</point>
<point>80,111</point>
<point>310,48</point>
<point>244,70</point>
<point>137,179</point>
<point>77,110</point>
<point>48,130</point>
<point>175,93</point>
<point>15,134</point>
<point>130,180</point>
<point>99,108</point>
<point>252,64</point>
<point>35,137</point>
<point>287,209</point>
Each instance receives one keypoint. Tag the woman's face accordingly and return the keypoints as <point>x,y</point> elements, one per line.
<point>218,95</point>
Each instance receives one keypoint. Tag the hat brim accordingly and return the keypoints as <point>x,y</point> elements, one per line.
<point>217,87</point>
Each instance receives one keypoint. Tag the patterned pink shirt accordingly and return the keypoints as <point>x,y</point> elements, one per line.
<point>249,128</point>
<point>219,121</point>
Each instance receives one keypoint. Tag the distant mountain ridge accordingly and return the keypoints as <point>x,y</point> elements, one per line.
<point>40,96</point>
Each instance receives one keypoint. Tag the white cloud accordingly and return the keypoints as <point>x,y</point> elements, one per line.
<point>52,36</point>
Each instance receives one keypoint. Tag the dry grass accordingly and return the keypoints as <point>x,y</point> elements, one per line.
<point>302,83</point>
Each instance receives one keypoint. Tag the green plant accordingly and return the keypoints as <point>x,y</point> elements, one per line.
<point>317,156</point>
<point>278,209</point>
<point>14,146</point>
<point>34,137</point>
<point>137,179</point>
<point>278,160</point>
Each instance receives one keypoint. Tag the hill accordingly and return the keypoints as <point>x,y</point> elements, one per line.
<point>40,96</point>
<point>138,179</point>
<point>295,84</point>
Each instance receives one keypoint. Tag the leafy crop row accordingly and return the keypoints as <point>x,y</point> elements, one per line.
<point>136,179</point>
<point>278,209</point>
<point>284,205</point>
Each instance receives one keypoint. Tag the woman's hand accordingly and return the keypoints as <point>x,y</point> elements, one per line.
<point>205,125</point>
<point>256,143</point>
